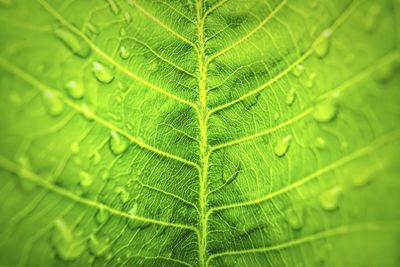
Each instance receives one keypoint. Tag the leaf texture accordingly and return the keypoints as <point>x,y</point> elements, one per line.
<point>199,133</point>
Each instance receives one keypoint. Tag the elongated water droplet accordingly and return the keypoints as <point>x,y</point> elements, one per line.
<point>127,17</point>
<point>102,73</point>
<point>86,179</point>
<point>53,103</point>
<point>87,112</point>
<point>96,246</point>
<point>325,111</point>
<point>75,148</point>
<point>92,28</point>
<point>371,17</point>
<point>118,143</point>
<point>24,172</point>
<point>123,195</point>
<point>74,89</point>
<point>67,246</point>
<point>282,146</point>
<point>122,32</point>
<point>322,46</point>
<point>298,70</point>
<point>321,143</point>
<point>74,42</point>
<point>310,80</point>
<point>291,97</point>
<point>104,174</point>
<point>114,7</point>
<point>95,157</point>
<point>123,52</point>
<point>133,210</point>
<point>363,178</point>
<point>102,215</point>
<point>295,218</point>
<point>329,200</point>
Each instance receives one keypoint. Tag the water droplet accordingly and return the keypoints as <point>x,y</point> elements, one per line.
<point>118,143</point>
<point>122,32</point>
<point>87,112</point>
<point>298,70</point>
<point>67,246</point>
<point>53,103</point>
<point>86,179</point>
<point>96,246</point>
<point>123,195</point>
<point>291,97</point>
<point>95,157</point>
<point>322,47</point>
<point>123,52</point>
<point>321,143</point>
<point>114,7</point>
<point>24,172</point>
<point>74,89</point>
<point>329,200</point>
<point>133,210</point>
<point>295,218</point>
<point>104,174</point>
<point>371,17</point>
<point>127,17</point>
<point>74,42</point>
<point>92,28</point>
<point>282,146</point>
<point>363,178</point>
<point>102,215</point>
<point>102,73</point>
<point>325,111</point>
<point>75,148</point>
<point>310,81</point>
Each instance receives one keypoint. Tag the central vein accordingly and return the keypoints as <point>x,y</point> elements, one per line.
<point>203,149</point>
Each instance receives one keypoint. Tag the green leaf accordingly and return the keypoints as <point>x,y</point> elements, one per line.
<point>199,133</point>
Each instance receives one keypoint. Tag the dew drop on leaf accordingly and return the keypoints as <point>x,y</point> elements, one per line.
<point>282,146</point>
<point>75,148</point>
<point>104,174</point>
<point>325,111</point>
<point>95,157</point>
<point>127,17</point>
<point>87,112</point>
<point>321,143</point>
<point>96,246</point>
<point>122,32</point>
<point>133,210</point>
<point>102,215</point>
<point>118,143</point>
<point>114,7</point>
<point>92,28</point>
<point>123,195</point>
<point>74,89</point>
<point>86,179</point>
<point>298,70</point>
<point>310,80</point>
<point>363,178</point>
<point>75,43</point>
<point>102,73</point>
<point>295,218</point>
<point>329,200</point>
<point>53,103</point>
<point>291,97</point>
<point>322,46</point>
<point>123,52</point>
<point>24,172</point>
<point>67,246</point>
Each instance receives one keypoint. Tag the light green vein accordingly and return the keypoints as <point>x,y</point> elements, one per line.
<point>341,230</point>
<point>44,88</point>
<point>33,177</point>
<point>303,57</point>
<point>123,69</point>
<point>372,147</point>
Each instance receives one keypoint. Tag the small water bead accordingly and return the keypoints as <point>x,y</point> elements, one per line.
<point>75,148</point>
<point>295,218</point>
<point>74,89</point>
<point>102,215</point>
<point>321,143</point>
<point>53,103</point>
<point>86,179</point>
<point>133,210</point>
<point>104,174</point>
<point>122,32</point>
<point>123,194</point>
<point>329,200</point>
<point>291,97</point>
<point>127,17</point>
<point>363,178</point>
<point>75,43</point>
<point>24,172</point>
<point>96,246</point>
<point>102,73</point>
<point>68,246</point>
<point>118,143</point>
<point>298,70</point>
<point>322,46</point>
<point>114,7</point>
<point>95,157</point>
<point>325,111</point>
<point>282,146</point>
<point>123,52</point>
<point>92,28</point>
<point>372,17</point>
<point>310,80</point>
<point>87,112</point>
